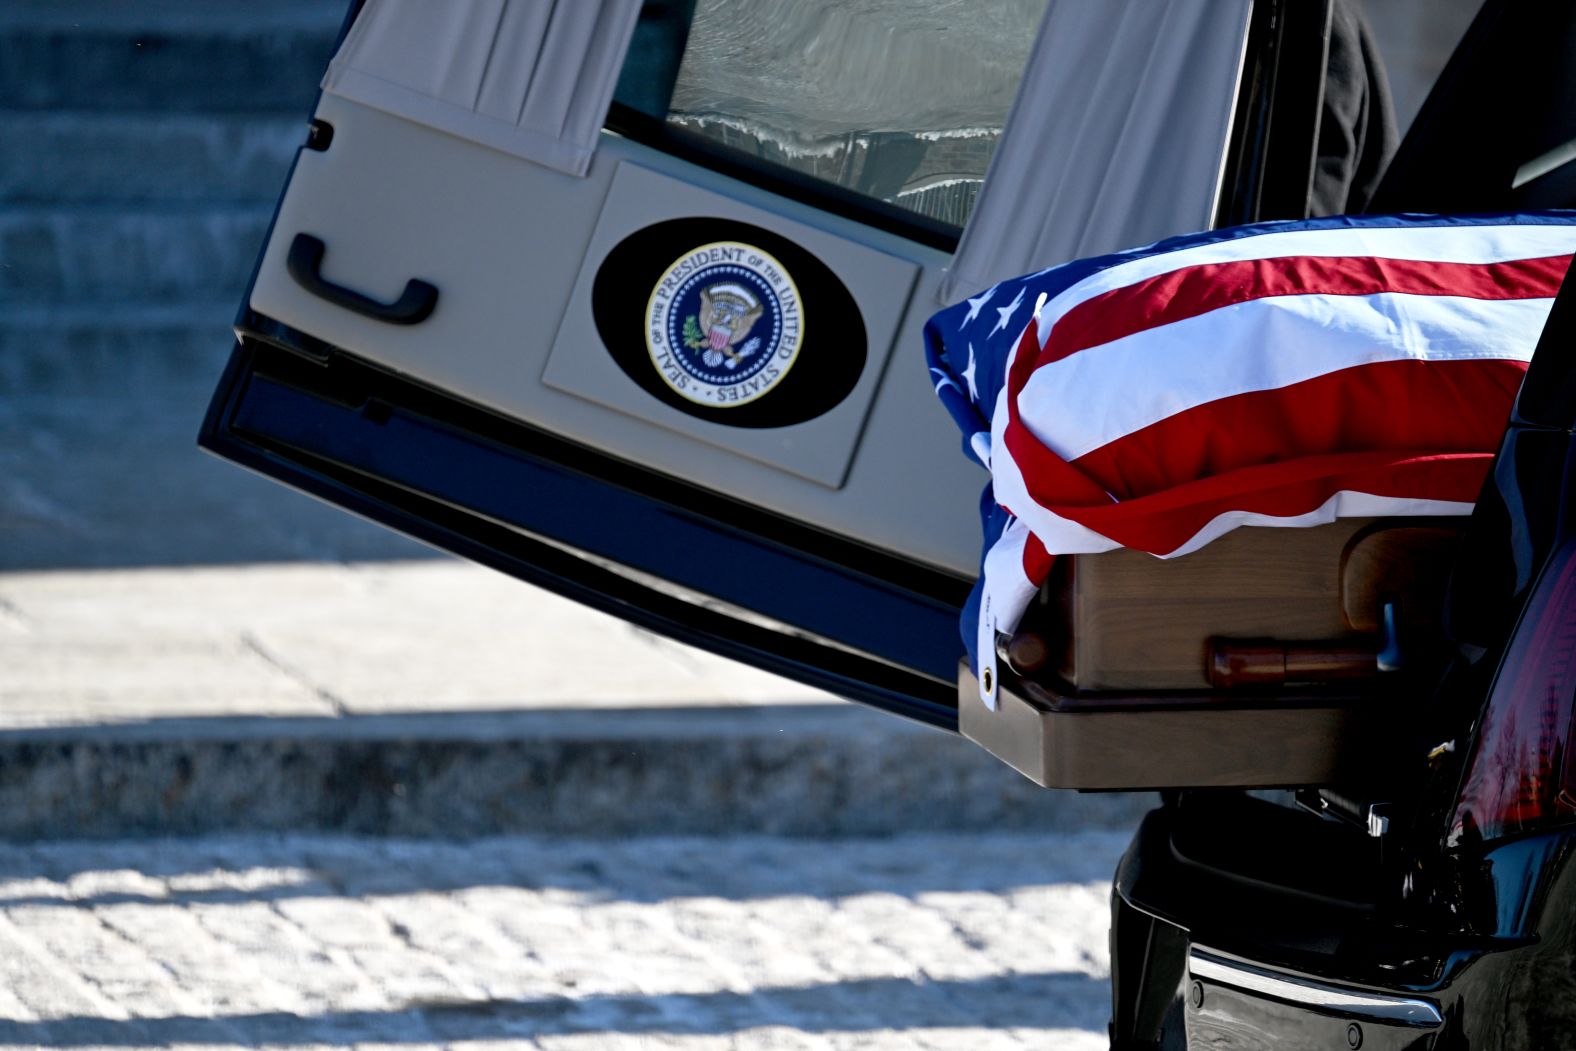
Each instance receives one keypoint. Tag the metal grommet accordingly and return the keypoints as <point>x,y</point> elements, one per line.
<point>1354,1036</point>
<point>986,680</point>
<point>1196,994</point>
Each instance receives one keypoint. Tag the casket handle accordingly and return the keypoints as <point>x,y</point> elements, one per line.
<point>1235,663</point>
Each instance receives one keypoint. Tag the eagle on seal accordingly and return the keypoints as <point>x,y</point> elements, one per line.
<point>727,313</point>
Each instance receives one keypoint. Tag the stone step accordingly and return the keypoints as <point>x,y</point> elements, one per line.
<point>103,254</point>
<point>795,771</point>
<point>97,352</point>
<point>427,697</point>
<point>86,157</point>
<point>165,54</point>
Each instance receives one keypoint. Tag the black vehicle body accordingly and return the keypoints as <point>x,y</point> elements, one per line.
<point>1360,917</point>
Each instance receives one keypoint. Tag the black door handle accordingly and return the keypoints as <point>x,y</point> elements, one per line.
<point>305,261</point>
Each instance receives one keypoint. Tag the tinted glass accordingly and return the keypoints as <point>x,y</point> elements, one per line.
<point>901,100</point>
<point>1415,38</point>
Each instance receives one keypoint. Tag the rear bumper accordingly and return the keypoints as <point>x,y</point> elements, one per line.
<point>1239,924</point>
<point>1232,1003</point>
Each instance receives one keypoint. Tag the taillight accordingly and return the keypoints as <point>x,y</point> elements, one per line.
<point>1521,776</point>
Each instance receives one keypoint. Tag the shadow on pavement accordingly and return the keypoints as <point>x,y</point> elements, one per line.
<point>1029,1001</point>
<point>642,871</point>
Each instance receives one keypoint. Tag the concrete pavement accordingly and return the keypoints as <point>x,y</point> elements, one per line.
<point>326,639</point>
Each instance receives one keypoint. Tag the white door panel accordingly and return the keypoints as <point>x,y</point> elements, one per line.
<point>505,242</point>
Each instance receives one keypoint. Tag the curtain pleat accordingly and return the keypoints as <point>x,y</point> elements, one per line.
<point>1112,91</point>
<point>532,78</point>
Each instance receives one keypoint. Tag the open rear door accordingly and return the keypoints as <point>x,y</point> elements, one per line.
<point>667,361</point>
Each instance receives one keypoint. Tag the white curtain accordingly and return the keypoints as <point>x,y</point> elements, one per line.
<point>1114,92</point>
<point>532,78</point>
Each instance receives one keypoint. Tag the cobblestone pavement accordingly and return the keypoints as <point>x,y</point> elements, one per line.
<point>961,942</point>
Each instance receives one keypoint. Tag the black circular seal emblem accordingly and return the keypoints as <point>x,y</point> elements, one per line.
<point>729,322</point>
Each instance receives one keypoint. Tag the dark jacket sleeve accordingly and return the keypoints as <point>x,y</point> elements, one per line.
<point>1357,130</point>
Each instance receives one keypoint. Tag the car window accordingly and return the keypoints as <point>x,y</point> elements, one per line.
<point>899,100</point>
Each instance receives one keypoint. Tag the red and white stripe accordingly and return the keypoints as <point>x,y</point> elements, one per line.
<point>1283,379</point>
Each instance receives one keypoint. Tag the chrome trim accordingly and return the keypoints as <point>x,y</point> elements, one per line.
<point>1231,117</point>
<point>1542,164</point>
<point>1351,1003</point>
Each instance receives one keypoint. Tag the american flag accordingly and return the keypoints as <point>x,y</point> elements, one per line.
<point>1277,374</point>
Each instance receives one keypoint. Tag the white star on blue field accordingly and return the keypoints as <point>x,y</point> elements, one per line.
<point>975,304</point>
<point>1007,311</point>
<point>941,380</point>
<point>968,376</point>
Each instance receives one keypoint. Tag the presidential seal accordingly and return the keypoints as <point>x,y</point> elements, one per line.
<point>724,324</point>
